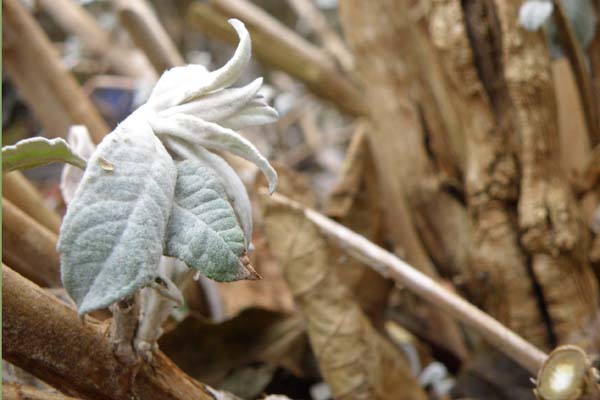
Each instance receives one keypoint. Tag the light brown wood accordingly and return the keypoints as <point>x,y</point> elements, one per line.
<point>491,180</point>
<point>328,37</point>
<point>577,60</point>
<point>378,33</point>
<point>280,48</point>
<point>148,34</point>
<point>13,391</point>
<point>29,247</point>
<point>505,340</point>
<point>27,46</point>
<point>552,230</point>
<point>18,189</point>
<point>74,19</point>
<point>46,338</point>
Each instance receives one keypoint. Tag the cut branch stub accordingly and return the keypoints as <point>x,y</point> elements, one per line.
<point>567,375</point>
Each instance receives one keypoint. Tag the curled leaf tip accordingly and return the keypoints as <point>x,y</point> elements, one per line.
<point>273,181</point>
<point>248,272</point>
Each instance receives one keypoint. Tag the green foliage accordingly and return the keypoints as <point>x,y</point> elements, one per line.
<point>112,236</point>
<point>203,230</point>
<point>34,152</point>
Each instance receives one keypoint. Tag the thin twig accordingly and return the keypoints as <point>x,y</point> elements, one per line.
<point>73,18</point>
<point>330,40</point>
<point>149,35</point>
<point>387,264</point>
<point>580,70</point>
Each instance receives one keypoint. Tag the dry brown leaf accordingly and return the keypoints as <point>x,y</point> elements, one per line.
<point>356,362</point>
<point>208,351</point>
<point>271,292</point>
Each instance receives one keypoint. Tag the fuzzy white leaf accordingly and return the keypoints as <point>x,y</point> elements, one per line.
<point>165,93</point>
<point>534,13</point>
<point>112,236</point>
<point>213,136</point>
<point>218,105</point>
<point>37,151</point>
<point>233,185</point>
<point>253,114</point>
<point>80,141</point>
<point>203,230</point>
<point>178,91</point>
<point>228,74</point>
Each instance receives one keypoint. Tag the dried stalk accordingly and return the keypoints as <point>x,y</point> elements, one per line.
<point>327,35</point>
<point>29,247</point>
<point>26,46</point>
<point>148,34</point>
<point>73,18</point>
<point>75,357</point>
<point>407,175</point>
<point>13,391</point>
<point>125,314</point>
<point>387,264</point>
<point>576,58</point>
<point>552,229</point>
<point>17,189</point>
<point>491,178</point>
<point>440,115</point>
<point>378,32</point>
<point>281,48</point>
<point>591,173</point>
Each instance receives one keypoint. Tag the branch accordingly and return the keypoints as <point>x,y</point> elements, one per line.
<point>13,391</point>
<point>330,40</point>
<point>32,63</point>
<point>549,218</point>
<point>148,34</point>
<point>17,189</point>
<point>387,264</point>
<point>281,48</point>
<point>46,338</point>
<point>580,70</point>
<point>73,18</point>
<point>29,247</point>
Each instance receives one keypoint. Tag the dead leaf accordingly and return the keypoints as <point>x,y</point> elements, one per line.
<point>355,361</point>
<point>208,351</point>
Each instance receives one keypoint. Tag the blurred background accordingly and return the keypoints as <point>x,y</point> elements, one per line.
<point>442,130</point>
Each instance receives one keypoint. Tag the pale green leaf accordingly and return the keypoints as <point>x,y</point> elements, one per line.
<point>112,237</point>
<point>37,151</point>
<point>233,185</point>
<point>203,230</point>
<point>213,137</point>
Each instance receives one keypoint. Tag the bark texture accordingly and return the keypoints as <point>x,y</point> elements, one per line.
<point>378,33</point>
<point>552,230</point>
<point>45,337</point>
<point>497,279</point>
